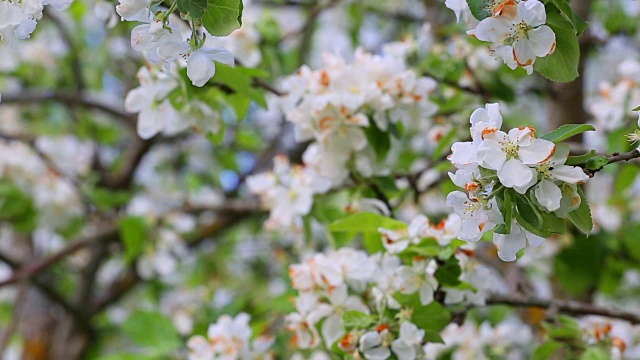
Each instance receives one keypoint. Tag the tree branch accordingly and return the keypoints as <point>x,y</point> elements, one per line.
<point>568,307</point>
<point>29,271</point>
<point>71,100</point>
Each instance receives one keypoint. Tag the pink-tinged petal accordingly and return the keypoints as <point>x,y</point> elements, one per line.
<point>532,12</point>
<point>463,153</point>
<point>489,114</point>
<point>494,29</point>
<point>548,195</point>
<point>514,173</point>
<point>569,174</point>
<point>523,53</point>
<point>506,54</point>
<point>538,152</point>
<point>150,123</point>
<point>495,134</point>
<point>10,14</point>
<point>533,240</point>
<point>521,136</point>
<point>508,245</point>
<point>542,41</point>
<point>490,155</point>
<point>523,188</point>
<point>471,230</point>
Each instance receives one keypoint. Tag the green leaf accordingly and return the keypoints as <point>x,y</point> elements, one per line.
<point>579,266</point>
<point>625,178</point>
<point>580,159</point>
<point>357,320</point>
<point>596,162</point>
<point>637,108</point>
<point>505,205</point>
<point>223,17</point>
<point>546,350</point>
<point>567,12</point>
<point>566,131</point>
<point>581,217</point>
<point>566,329</point>
<point>595,353</point>
<point>134,232</point>
<point>152,330</point>
<point>479,9</point>
<point>378,139</point>
<point>444,144</point>
<point>448,274</point>
<point>562,65</point>
<point>193,8</point>
<point>433,317</point>
<point>365,222</point>
<point>528,212</point>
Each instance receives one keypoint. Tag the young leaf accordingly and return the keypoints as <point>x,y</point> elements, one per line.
<point>562,65</point>
<point>133,231</point>
<point>358,320</point>
<point>433,317</point>
<point>580,159</point>
<point>193,8</point>
<point>152,330</point>
<point>479,9</point>
<point>566,131</point>
<point>379,140</point>
<point>581,217</point>
<point>596,162</point>
<point>448,274</point>
<point>223,17</point>
<point>365,222</point>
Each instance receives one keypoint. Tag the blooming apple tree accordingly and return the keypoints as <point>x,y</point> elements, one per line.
<point>334,179</point>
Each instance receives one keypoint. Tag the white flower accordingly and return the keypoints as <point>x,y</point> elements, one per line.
<point>201,66</point>
<point>477,218</point>
<point>521,38</point>
<point>509,244</point>
<point>134,10</point>
<point>509,154</point>
<point>309,312</point>
<point>409,339</point>
<point>340,301</point>
<point>547,191</point>
<point>372,345</point>
<point>418,277</point>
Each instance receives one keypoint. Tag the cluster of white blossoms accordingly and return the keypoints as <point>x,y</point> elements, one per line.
<point>336,104</point>
<point>287,192</point>
<point>333,283</point>
<point>495,160</point>
<point>18,19</point>
<point>230,339</point>
<point>510,339</point>
<point>611,107</point>
<point>163,38</point>
<point>396,241</point>
<point>156,113</point>
<point>51,189</point>
<point>516,29</point>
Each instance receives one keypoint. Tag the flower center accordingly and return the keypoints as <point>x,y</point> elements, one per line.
<point>510,149</point>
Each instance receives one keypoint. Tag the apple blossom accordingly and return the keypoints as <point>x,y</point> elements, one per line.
<point>521,37</point>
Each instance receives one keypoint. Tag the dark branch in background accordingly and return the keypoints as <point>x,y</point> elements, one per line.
<point>29,271</point>
<point>71,100</point>
<point>49,292</point>
<point>567,307</point>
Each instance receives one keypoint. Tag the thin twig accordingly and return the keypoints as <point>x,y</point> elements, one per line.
<point>71,100</point>
<point>32,269</point>
<point>563,306</point>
